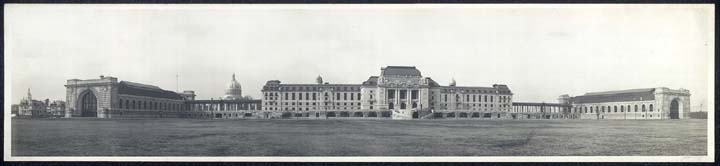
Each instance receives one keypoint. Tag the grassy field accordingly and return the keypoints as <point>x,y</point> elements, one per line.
<point>194,137</point>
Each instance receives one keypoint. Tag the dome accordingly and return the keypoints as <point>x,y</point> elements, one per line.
<point>234,90</point>
<point>452,82</point>
<point>234,84</point>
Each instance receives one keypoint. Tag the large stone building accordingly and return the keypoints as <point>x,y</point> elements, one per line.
<point>107,97</point>
<point>650,103</point>
<point>400,92</point>
<point>56,108</point>
<point>30,107</point>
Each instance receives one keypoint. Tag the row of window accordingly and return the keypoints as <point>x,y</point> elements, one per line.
<point>310,96</point>
<point>616,108</point>
<point>477,98</point>
<point>474,91</point>
<point>148,105</point>
<point>314,88</point>
<point>308,108</point>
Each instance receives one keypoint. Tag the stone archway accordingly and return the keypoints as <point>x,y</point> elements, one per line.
<point>675,109</point>
<point>88,105</point>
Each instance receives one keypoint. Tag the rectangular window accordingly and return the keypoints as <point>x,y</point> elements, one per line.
<point>403,94</point>
<point>344,96</point>
<point>414,94</point>
<point>293,96</point>
<point>314,96</point>
<point>286,96</point>
<point>391,94</point>
<point>300,96</point>
<point>337,96</point>
<point>352,96</point>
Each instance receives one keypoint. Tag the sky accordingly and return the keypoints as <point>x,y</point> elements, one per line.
<point>539,51</point>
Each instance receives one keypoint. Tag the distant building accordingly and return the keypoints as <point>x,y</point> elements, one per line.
<point>400,92</point>
<point>29,107</point>
<point>14,109</point>
<point>56,108</point>
<point>649,103</point>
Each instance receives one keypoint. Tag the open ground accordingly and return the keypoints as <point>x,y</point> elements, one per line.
<point>197,137</point>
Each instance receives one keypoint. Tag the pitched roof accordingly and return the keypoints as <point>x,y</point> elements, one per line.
<point>616,96</point>
<point>371,81</point>
<point>400,71</point>
<point>137,89</point>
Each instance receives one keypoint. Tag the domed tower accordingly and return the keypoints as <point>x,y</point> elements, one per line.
<point>234,91</point>
<point>319,80</point>
<point>452,82</point>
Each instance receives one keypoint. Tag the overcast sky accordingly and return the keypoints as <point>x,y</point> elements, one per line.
<point>540,52</point>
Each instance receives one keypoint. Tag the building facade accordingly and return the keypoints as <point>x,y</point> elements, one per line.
<point>399,92</point>
<point>107,97</point>
<point>30,107</point>
<point>649,103</point>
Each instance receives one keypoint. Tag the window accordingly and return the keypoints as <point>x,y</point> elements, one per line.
<point>491,99</point>
<point>127,104</point>
<point>651,108</point>
<point>643,108</point>
<point>337,96</point>
<point>414,94</point>
<point>467,98</point>
<point>293,96</point>
<point>300,96</point>
<point>391,106</point>
<point>591,109</point>
<point>121,103</point>
<point>485,97</point>
<point>344,96</point>
<point>314,96</point>
<point>445,97</point>
<point>391,94</point>
<point>622,109</point>
<point>403,94</point>
<point>636,108</point>
<point>352,96</point>
<point>286,96</point>
<point>403,105</point>
<point>414,105</point>
<point>474,98</point>
<point>457,98</point>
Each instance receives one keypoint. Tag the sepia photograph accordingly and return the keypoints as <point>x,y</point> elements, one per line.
<point>359,83</point>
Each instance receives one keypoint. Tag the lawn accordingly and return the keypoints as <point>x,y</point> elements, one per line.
<point>196,137</point>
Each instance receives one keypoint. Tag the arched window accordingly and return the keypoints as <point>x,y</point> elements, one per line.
<point>622,109</point>
<point>591,109</point>
<point>121,104</point>
<point>636,108</point>
<point>651,108</point>
<point>643,108</point>
<point>614,108</point>
<point>133,104</point>
<point>127,104</point>
<point>391,106</point>
<point>403,105</point>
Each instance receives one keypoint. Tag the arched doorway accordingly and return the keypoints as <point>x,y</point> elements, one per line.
<point>675,109</point>
<point>88,107</point>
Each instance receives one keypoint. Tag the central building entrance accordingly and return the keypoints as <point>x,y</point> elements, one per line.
<point>89,105</point>
<point>674,109</point>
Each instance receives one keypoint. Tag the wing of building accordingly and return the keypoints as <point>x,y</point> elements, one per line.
<point>399,92</point>
<point>647,103</point>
